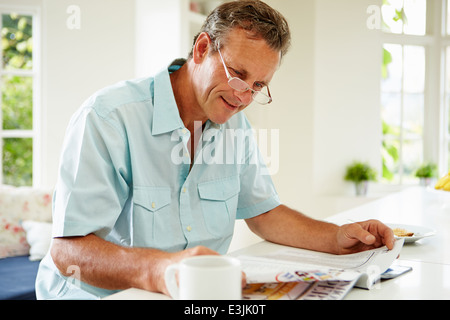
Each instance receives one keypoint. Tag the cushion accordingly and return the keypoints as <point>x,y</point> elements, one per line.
<point>39,236</point>
<point>26,203</point>
<point>13,240</point>
<point>17,278</point>
<point>16,205</point>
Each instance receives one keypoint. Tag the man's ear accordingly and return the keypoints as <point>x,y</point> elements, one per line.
<point>202,47</point>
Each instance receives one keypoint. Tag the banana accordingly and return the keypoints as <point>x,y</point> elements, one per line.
<point>447,186</point>
<point>442,182</point>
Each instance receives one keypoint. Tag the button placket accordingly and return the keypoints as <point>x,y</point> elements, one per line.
<point>186,214</point>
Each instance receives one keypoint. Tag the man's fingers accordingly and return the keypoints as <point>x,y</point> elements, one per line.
<point>373,230</point>
<point>363,235</point>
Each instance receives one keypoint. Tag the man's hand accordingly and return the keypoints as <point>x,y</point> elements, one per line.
<point>288,227</point>
<point>168,259</point>
<point>178,256</point>
<point>366,235</point>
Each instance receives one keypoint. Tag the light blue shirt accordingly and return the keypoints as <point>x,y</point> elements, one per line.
<point>126,176</point>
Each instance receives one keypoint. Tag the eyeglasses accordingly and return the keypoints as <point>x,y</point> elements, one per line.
<point>242,86</point>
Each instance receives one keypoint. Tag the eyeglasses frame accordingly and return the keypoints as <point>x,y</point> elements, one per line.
<point>254,92</point>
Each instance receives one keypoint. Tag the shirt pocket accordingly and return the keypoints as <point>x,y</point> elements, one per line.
<point>219,200</point>
<point>150,206</point>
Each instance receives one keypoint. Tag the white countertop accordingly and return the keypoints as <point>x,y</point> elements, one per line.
<point>429,257</point>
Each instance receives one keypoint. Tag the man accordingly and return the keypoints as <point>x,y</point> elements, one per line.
<point>135,193</point>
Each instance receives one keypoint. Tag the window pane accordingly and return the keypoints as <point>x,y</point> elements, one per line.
<point>414,68</point>
<point>448,16</point>
<point>415,12</point>
<point>448,113</point>
<point>18,161</point>
<point>413,115</point>
<point>390,152</point>
<point>404,16</point>
<point>393,66</point>
<point>412,158</point>
<point>448,155</point>
<point>447,73</point>
<point>392,16</point>
<point>17,102</point>
<point>17,41</point>
<point>391,113</point>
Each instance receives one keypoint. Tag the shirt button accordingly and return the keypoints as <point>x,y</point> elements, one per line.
<point>184,131</point>
<point>189,228</point>
<point>184,190</point>
<point>153,205</point>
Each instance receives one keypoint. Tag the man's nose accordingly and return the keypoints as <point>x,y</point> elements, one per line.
<point>245,97</point>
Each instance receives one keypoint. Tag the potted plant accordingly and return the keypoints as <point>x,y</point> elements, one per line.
<point>426,172</point>
<point>360,174</point>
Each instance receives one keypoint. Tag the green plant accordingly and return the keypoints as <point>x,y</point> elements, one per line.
<point>359,171</point>
<point>427,170</point>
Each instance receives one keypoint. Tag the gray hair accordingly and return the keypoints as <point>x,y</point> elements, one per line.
<point>255,16</point>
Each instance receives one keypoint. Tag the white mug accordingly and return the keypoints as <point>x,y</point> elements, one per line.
<point>206,277</point>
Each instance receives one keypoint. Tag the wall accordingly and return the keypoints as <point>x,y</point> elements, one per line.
<point>78,62</point>
<point>326,102</point>
<point>292,111</point>
<point>159,28</point>
<point>347,121</point>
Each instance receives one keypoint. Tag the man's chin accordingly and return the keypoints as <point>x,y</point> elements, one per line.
<point>219,120</point>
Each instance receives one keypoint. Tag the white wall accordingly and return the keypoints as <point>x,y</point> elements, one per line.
<point>326,102</point>
<point>347,118</point>
<point>292,111</point>
<point>159,27</point>
<point>78,62</point>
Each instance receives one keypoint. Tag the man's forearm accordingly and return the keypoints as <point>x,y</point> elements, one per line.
<point>110,266</point>
<point>289,227</point>
<point>107,265</point>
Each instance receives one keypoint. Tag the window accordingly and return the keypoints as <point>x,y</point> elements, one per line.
<point>446,111</point>
<point>410,88</point>
<point>19,87</point>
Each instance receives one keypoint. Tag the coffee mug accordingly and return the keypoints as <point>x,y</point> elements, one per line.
<point>205,278</point>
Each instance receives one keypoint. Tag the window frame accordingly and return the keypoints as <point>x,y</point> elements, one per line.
<point>444,146</point>
<point>435,138</point>
<point>35,74</point>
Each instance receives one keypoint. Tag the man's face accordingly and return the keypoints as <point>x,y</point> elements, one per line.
<point>248,59</point>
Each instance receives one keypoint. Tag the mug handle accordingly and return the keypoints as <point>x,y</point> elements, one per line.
<point>171,281</point>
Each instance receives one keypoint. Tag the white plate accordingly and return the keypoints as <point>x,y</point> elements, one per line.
<point>419,232</point>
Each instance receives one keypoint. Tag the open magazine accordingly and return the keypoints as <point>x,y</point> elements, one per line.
<point>293,274</point>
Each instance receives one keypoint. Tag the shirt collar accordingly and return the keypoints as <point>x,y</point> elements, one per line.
<point>166,117</point>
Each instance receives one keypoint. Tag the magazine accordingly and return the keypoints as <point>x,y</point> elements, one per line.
<point>291,273</point>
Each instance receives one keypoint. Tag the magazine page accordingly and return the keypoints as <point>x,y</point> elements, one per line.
<point>292,264</point>
<point>262,270</point>
<point>321,290</point>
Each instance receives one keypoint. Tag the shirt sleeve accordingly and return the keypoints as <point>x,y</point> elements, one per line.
<point>92,185</point>
<point>258,194</point>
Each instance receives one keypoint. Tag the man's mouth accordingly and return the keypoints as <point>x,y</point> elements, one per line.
<point>229,105</point>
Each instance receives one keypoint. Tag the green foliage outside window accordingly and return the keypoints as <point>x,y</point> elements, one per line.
<point>17,98</point>
<point>18,161</point>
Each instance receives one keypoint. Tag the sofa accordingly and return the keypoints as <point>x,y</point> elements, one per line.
<point>25,235</point>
